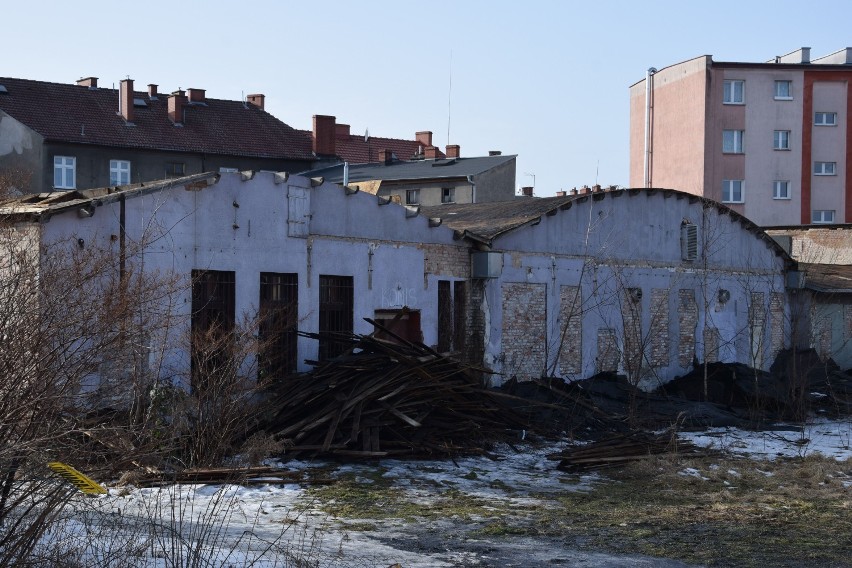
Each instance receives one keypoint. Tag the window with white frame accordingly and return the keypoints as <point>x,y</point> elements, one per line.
<point>782,140</point>
<point>64,172</point>
<point>119,172</point>
<point>734,93</point>
<point>825,168</point>
<point>732,141</point>
<point>412,196</point>
<point>822,216</point>
<point>825,119</point>
<point>780,189</point>
<point>783,90</point>
<point>448,194</point>
<point>732,191</point>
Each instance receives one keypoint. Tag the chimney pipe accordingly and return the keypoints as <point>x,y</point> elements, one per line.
<point>561,193</point>
<point>176,101</point>
<point>453,151</point>
<point>323,135</point>
<point>152,91</point>
<point>424,137</point>
<point>91,82</point>
<point>385,156</point>
<point>649,136</point>
<point>527,191</point>
<point>495,153</point>
<point>125,99</point>
<point>257,100</point>
<point>431,152</point>
<point>196,95</point>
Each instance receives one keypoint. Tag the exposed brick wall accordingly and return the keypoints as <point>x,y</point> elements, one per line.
<point>608,354</point>
<point>821,335</point>
<point>687,319</point>
<point>712,339</point>
<point>631,317</point>
<point>777,321</point>
<point>658,355</point>
<point>757,327</point>
<point>570,330</point>
<point>819,245</point>
<point>446,260</point>
<point>524,329</point>
<point>475,341</point>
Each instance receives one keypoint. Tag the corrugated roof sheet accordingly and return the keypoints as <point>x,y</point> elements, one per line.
<point>827,277</point>
<point>76,114</point>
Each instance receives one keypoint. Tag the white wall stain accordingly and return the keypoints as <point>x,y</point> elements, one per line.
<point>14,137</point>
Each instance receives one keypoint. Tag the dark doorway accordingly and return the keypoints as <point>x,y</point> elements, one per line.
<point>335,313</point>
<point>279,318</point>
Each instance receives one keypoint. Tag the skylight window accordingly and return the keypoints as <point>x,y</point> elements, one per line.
<point>139,103</point>
<point>3,90</point>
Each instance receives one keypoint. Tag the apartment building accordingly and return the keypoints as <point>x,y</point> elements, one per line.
<point>771,140</point>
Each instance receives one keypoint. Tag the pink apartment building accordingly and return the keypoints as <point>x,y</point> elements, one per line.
<point>771,140</point>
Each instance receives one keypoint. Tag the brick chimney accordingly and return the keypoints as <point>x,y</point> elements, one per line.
<point>91,82</point>
<point>495,153</point>
<point>324,130</point>
<point>176,102</point>
<point>527,191</point>
<point>424,137</point>
<point>257,100</point>
<point>385,156</point>
<point>196,95</point>
<point>596,188</point>
<point>585,189</point>
<point>561,193</point>
<point>152,91</point>
<point>125,93</point>
<point>341,131</point>
<point>431,152</point>
<point>453,150</point>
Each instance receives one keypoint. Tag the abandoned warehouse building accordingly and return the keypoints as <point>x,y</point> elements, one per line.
<point>643,282</point>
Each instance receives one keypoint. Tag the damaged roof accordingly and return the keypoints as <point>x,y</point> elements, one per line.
<point>400,170</point>
<point>82,115</point>
<point>832,278</point>
<point>41,206</point>
<point>484,222</point>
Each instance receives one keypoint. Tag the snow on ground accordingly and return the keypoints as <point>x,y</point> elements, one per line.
<point>831,438</point>
<point>280,525</point>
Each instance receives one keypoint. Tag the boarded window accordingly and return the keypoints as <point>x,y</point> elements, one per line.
<point>399,325</point>
<point>335,313</point>
<point>213,311</point>
<point>460,316</point>
<point>279,315</point>
<point>298,211</point>
<point>445,316</point>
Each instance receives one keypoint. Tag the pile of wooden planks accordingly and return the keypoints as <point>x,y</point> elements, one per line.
<point>619,450</point>
<point>388,397</point>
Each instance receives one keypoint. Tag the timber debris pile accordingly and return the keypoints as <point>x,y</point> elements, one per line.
<point>389,398</point>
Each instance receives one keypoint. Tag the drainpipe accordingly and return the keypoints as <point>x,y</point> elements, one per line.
<point>649,93</point>
<point>472,183</point>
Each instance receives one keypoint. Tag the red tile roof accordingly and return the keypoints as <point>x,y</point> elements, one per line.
<point>76,114</point>
<point>354,149</point>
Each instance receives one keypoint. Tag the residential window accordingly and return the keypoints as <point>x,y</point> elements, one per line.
<point>277,332</point>
<point>64,172</point>
<point>734,93</point>
<point>448,195</point>
<point>732,191</point>
<point>780,189</point>
<point>783,90</point>
<point>732,141</point>
<point>412,197</point>
<point>825,119</point>
<point>825,168</point>
<point>175,169</point>
<point>336,302</point>
<point>782,140</point>
<point>119,172</point>
<point>822,216</point>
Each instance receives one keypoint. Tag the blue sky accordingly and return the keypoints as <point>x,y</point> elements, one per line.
<point>547,81</point>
